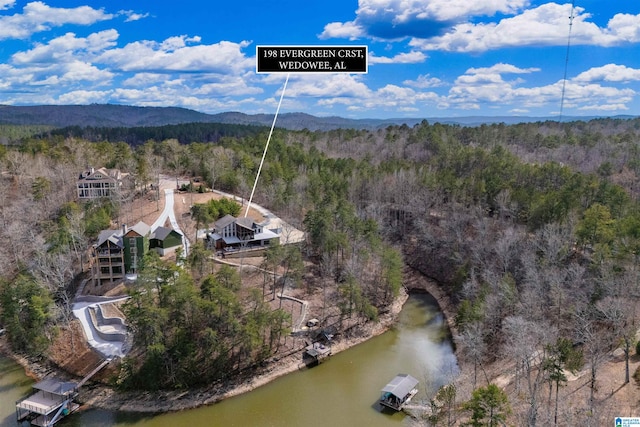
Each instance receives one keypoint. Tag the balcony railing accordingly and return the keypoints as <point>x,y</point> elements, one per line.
<point>116,252</point>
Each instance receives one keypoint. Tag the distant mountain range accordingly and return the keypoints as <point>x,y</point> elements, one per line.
<point>108,115</point>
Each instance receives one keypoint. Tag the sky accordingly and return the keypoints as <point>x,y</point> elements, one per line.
<point>426,58</point>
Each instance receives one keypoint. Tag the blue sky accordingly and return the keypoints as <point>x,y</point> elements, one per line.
<point>427,58</point>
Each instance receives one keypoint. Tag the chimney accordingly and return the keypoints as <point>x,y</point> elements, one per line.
<point>124,229</point>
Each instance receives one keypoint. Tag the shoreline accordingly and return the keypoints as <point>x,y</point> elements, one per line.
<point>102,396</point>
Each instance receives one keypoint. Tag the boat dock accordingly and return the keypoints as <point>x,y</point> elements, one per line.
<point>316,352</point>
<point>320,347</point>
<point>399,392</point>
<point>52,400</point>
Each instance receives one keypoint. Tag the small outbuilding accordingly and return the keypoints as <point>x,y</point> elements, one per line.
<point>165,240</point>
<point>399,391</point>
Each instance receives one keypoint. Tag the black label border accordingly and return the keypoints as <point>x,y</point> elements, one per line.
<point>269,65</point>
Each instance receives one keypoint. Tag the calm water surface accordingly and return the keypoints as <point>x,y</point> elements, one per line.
<point>14,384</point>
<point>342,391</point>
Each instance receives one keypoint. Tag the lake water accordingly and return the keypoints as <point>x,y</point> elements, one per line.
<point>14,385</point>
<point>342,391</point>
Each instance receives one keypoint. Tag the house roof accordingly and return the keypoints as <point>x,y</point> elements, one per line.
<point>266,235</point>
<point>224,221</point>
<point>245,222</point>
<point>161,233</point>
<point>231,240</point>
<point>103,173</point>
<point>111,235</point>
<point>401,385</point>
<point>141,228</point>
<point>54,386</point>
<point>115,236</point>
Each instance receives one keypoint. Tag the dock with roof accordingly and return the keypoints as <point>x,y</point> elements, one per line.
<point>52,400</point>
<point>399,391</point>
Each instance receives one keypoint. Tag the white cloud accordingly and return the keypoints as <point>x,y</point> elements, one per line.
<point>63,64</point>
<point>391,98</point>
<point>81,71</point>
<point>412,57</point>
<point>441,10</point>
<point>605,107</point>
<point>340,30</point>
<point>228,86</point>
<point>487,83</point>
<point>501,68</point>
<point>546,25</point>
<point>140,79</point>
<point>67,47</point>
<point>162,96</point>
<point>178,42</point>
<point>448,25</point>
<point>331,85</point>
<point>486,86</point>
<point>174,55</point>
<point>37,16</point>
<point>84,97</point>
<point>133,16</point>
<point>609,73</point>
<point>397,19</point>
<point>424,82</point>
<point>11,77</point>
<point>624,28</point>
<point>401,94</point>
<point>7,4</point>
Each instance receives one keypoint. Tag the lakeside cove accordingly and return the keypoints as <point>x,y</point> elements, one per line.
<point>170,401</point>
<point>393,337</point>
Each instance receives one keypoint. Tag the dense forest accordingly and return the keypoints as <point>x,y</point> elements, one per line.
<point>533,230</point>
<point>134,136</point>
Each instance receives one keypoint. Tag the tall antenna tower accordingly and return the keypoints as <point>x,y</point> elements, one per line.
<point>566,61</point>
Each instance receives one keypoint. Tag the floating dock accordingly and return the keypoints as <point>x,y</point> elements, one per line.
<point>399,392</point>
